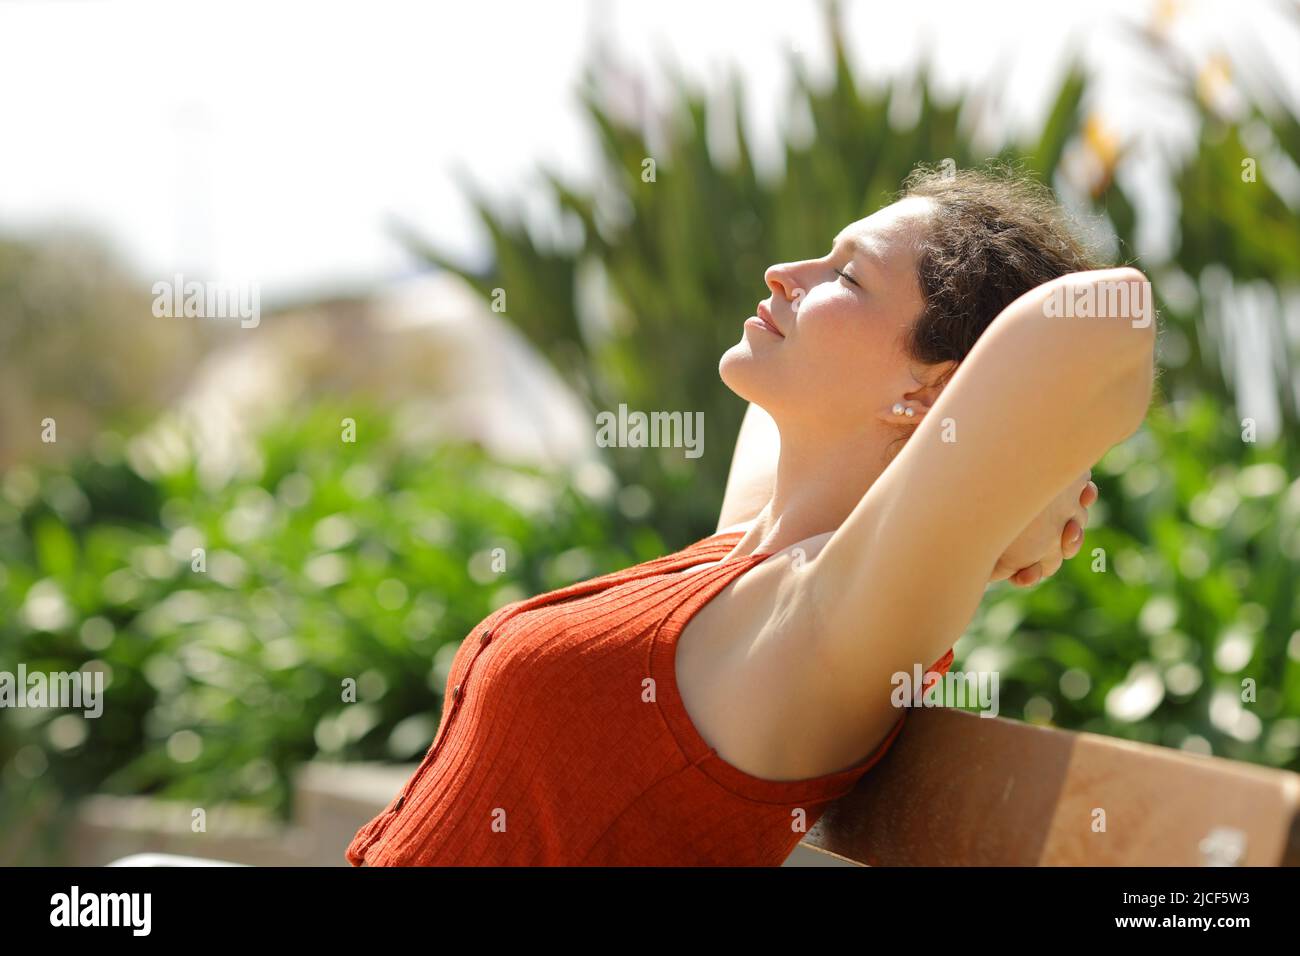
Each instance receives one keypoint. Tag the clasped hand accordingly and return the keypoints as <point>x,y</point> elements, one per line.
<point>1052,537</point>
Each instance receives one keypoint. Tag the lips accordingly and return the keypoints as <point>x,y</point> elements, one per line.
<point>765,314</point>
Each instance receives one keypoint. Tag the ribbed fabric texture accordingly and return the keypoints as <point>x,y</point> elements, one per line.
<point>564,742</point>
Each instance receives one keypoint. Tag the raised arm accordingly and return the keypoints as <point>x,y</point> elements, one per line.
<point>753,468</point>
<point>1035,403</point>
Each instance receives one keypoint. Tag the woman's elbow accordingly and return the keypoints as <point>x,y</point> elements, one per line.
<point>1123,299</point>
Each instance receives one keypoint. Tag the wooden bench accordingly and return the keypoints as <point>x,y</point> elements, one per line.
<point>957,789</point>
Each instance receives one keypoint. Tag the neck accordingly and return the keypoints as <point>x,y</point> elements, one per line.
<point>821,475</point>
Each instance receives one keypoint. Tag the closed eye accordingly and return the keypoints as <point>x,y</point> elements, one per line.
<point>847,277</point>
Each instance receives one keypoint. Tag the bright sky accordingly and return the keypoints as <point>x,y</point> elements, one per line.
<point>271,141</point>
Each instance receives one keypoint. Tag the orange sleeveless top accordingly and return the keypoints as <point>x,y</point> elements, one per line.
<point>564,742</point>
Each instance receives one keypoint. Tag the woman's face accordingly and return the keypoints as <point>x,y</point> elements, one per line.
<point>842,319</point>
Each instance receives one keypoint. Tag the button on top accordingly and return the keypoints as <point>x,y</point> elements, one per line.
<point>455,692</point>
<point>485,637</point>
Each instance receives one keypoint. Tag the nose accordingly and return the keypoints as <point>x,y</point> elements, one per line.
<point>781,279</point>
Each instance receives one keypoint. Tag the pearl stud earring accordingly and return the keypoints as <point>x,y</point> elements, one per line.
<point>909,412</point>
<point>898,408</point>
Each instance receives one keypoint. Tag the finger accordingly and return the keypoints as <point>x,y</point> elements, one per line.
<point>1071,538</point>
<point>1090,495</point>
<point>1026,577</point>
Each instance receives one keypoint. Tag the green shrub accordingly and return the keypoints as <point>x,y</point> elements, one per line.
<point>1199,600</point>
<point>362,561</point>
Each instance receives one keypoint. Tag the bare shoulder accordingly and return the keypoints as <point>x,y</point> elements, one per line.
<point>752,684</point>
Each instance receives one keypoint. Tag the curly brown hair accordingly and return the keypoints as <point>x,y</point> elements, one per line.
<point>995,234</point>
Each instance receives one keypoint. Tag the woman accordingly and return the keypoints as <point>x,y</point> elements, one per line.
<point>936,418</point>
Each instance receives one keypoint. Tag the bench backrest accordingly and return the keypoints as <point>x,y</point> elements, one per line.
<point>957,789</point>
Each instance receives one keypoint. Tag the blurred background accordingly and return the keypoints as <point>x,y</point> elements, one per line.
<point>375,171</point>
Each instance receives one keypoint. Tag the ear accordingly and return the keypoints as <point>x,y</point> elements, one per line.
<point>917,402</point>
<point>931,383</point>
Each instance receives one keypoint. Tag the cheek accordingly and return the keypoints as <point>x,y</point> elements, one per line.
<point>845,337</point>
<point>851,362</point>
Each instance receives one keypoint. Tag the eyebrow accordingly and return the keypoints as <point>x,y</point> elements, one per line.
<point>860,249</point>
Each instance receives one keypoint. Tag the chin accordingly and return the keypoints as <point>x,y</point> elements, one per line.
<point>742,372</point>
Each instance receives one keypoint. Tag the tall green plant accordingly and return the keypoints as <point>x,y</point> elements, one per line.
<point>1235,221</point>
<point>684,245</point>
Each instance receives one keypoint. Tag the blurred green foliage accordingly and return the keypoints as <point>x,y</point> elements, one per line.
<point>1179,621</point>
<point>366,560</point>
